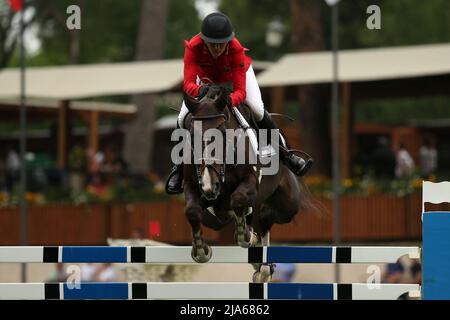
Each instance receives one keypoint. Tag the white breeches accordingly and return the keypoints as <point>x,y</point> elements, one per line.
<point>253,98</point>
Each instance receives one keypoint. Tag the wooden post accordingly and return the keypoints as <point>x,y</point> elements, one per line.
<point>346,130</point>
<point>93,131</point>
<point>277,99</point>
<point>63,128</point>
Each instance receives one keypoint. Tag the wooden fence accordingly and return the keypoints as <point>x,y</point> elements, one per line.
<point>373,218</point>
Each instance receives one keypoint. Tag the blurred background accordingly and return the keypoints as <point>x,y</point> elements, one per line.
<point>99,115</point>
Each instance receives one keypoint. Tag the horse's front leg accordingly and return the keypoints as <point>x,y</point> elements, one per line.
<point>242,200</point>
<point>200,252</point>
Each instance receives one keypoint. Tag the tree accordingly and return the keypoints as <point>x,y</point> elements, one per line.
<point>183,23</point>
<point>150,46</point>
<point>250,20</point>
<point>403,22</point>
<point>9,36</point>
<point>307,36</point>
<point>108,28</point>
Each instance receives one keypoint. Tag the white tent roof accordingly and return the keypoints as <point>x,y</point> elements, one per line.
<point>166,122</point>
<point>359,65</point>
<point>83,81</point>
<point>86,81</point>
<point>108,107</point>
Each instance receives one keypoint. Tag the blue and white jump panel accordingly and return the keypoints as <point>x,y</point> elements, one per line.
<point>205,290</point>
<point>182,254</point>
<point>436,256</point>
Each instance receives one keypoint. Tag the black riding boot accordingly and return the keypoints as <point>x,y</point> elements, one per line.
<point>174,184</point>
<point>295,163</point>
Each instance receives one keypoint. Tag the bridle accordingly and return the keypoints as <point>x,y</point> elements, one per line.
<point>209,162</point>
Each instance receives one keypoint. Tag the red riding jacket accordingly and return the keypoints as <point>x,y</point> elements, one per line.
<point>232,65</point>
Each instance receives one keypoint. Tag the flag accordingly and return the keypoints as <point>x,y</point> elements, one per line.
<point>154,229</point>
<point>16,5</point>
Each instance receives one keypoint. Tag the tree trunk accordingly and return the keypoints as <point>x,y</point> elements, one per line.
<point>75,38</point>
<point>307,36</point>
<point>138,142</point>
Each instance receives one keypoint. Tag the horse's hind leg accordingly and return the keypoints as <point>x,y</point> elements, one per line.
<point>264,271</point>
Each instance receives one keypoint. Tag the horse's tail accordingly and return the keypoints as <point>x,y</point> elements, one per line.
<point>303,197</point>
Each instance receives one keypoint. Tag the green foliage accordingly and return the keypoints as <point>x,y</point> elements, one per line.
<point>250,20</point>
<point>126,192</point>
<point>366,186</point>
<point>183,23</point>
<point>77,159</point>
<point>403,22</point>
<point>108,31</point>
<point>402,111</point>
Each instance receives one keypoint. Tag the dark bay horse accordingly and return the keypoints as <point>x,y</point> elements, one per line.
<point>217,192</point>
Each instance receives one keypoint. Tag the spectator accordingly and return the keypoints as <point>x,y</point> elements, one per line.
<point>428,159</point>
<point>395,273</point>
<point>284,272</point>
<point>59,274</point>
<point>95,272</point>
<point>88,271</point>
<point>383,160</point>
<point>2,175</point>
<point>98,186</point>
<point>137,234</point>
<point>105,272</point>
<point>12,169</point>
<point>405,163</point>
<point>96,159</point>
<point>416,272</point>
<point>113,163</point>
<point>77,168</point>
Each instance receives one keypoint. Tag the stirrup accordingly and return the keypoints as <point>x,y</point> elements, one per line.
<point>178,187</point>
<point>292,165</point>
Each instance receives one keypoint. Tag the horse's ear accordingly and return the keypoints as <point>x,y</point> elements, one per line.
<point>191,103</point>
<point>228,86</point>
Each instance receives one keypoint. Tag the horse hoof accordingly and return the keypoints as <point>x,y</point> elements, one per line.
<point>266,271</point>
<point>263,273</point>
<point>241,239</point>
<point>201,255</point>
<point>259,277</point>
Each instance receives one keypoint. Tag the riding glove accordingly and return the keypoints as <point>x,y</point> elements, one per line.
<point>224,101</point>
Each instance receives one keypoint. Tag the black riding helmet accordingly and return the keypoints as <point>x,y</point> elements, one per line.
<point>217,28</point>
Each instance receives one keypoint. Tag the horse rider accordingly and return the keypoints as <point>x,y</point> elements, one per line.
<point>216,54</point>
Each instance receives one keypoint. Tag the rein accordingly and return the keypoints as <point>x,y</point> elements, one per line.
<point>221,171</point>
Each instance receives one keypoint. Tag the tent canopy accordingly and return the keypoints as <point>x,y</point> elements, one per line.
<point>359,65</point>
<point>95,80</point>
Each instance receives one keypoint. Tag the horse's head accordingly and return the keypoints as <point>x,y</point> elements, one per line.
<point>208,123</point>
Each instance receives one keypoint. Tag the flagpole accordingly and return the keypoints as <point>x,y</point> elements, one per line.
<point>336,137</point>
<point>23,146</point>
